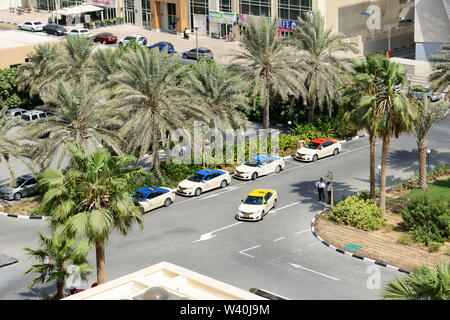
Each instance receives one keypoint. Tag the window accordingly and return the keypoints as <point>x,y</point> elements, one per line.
<point>267,196</point>
<point>255,7</point>
<point>34,117</point>
<point>225,5</point>
<point>31,182</point>
<point>292,9</point>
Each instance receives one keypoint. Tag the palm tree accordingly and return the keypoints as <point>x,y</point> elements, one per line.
<point>362,114</point>
<point>422,284</point>
<point>36,74</point>
<point>147,89</point>
<point>273,65</point>
<point>61,253</point>
<point>84,116</point>
<point>322,70</point>
<point>91,199</point>
<point>440,77</point>
<point>395,112</point>
<point>428,116</point>
<point>102,64</point>
<point>217,92</point>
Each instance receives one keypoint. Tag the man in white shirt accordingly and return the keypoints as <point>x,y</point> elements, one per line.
<point>321,189</point>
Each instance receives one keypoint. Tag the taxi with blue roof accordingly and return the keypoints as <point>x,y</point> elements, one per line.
<point>259,165</point>
<point>154,197</point>
<point>257,204</point>
<point>203,180</point>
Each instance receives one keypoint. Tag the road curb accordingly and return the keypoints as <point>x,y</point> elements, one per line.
<point>20,216</point>
<point>380,263</point>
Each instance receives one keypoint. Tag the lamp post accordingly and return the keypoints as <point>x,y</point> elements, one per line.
<point>196,41</point>
<point>428,161</point>
<point>330,175</point>
<point>379,176</point>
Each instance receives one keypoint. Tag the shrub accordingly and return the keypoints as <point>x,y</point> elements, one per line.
<point>434,246</point>
<point>343,130</point>
<point>427,220</point>
<point>288,142</point>
<point>405,239</point>
<point>359,213</point>
<point>447,252</point>
<point>306,132</point>
<point>397,205</point>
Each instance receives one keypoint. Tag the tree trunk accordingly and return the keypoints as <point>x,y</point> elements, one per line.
<point>384,152</point>
<point>422,146</point>
<point>372,139</point>
<point>155,147</point>
<point>310,109</point>
<point>100,256</point>
<point>266,112</point>
<point>60,292</point>
<point>167,148</point>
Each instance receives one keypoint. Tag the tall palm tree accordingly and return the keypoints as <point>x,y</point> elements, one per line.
<point>217,92</point>
<point>395,112</point>
<point>83,115</point>
<point>273,65</point>
<point>102,64</point>
<point>147,90</point>
<point>322,70</point>
<point>363,113</point>
<point>422,284</point>
<point>61,253</point>
<point>36,74</point>
<point>440,77</point>
<point>91,199</point>
<point>428,116</point>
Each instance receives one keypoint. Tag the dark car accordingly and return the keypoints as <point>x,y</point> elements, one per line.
<point>55,29</point>
<point>202,52</point>
<point>105,38</point>
<point>26,185</point>
<point>163,45</point>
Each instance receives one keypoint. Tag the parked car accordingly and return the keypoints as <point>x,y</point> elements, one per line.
<point>31,26</point>
<point>35,114</point>
<point>55,29</point>
<point>259,165</point>
<point>257,204</point>
<point>203,180</point>
<point>202,52</point>
<point>79,33</point>
<point>163,45</point>
<point>433,96</point>
<point>105,38</point>
<point>153,197</point>
<point>140,39</point>
<point>26,185</point>
<point>14,112</point>
<point>318,148</point>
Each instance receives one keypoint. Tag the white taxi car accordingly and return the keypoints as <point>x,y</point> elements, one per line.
<point>203,180</point>
<point>318,148</point>
<point>259,165</point>
<point>152,197</point>
<point>31,26</point>
<point>257,204</point>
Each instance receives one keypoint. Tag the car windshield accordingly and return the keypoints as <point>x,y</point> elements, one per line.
<point>253,200</point>
<point>130,38</point>
<point>138,196</point>
<point>20,181</point>
<point>37,23</point>
<point>252,163</point>
<point>83,31</point>
<point>312,145</point>
<point>195,177</point>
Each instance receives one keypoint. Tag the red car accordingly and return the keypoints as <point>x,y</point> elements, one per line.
<point>105,38</point>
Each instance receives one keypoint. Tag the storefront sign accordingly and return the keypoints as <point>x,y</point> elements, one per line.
<point>287,25</point>
<point>221,17</point>
<point>103,3</point>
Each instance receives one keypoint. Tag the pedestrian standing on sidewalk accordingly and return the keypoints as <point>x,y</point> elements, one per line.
<point>321,189</point>
<point>329,191</point>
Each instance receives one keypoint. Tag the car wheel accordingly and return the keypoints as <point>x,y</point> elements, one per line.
<point>223,184</point>
<point>314,159</point>
<point>254,176</point>
<point>198,192</point>
<point>104,42</point>
<point>167,202</point>
<point>274,204</point>
<point>277,169</point>
<point>336,152</point>
<point>32,30</point>
<point>262,215</point>
<point>20,28</point>
<point>17,196</point>
<point>120,44</point>
<point>184,56</point>
<point>141,210</point>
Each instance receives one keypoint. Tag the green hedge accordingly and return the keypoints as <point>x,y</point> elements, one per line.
<point>359,213</point>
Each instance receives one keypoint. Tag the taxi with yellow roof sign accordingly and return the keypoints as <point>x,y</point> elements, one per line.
<point>257,204</point>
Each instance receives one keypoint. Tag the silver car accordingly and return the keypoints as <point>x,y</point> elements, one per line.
<point>14,112</point>
<point>202,52</point>
<point>26,185</point>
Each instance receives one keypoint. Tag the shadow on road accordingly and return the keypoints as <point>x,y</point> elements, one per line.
<point>308,190</point>
<point>40,293</point>
<point>401,159</point>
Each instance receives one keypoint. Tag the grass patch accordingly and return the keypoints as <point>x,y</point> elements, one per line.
<point>436,190</point>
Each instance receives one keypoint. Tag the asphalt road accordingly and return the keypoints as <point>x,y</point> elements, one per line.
<point>278,254</point>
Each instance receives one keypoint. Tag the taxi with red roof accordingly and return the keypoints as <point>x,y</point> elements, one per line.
<point>317,149</point>
<point>154,197</point>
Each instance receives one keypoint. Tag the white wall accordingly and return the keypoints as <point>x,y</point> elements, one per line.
<point>5,4</point>
<point>431,22</point>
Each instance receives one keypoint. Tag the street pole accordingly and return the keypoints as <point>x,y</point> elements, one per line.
<point>330,175</point>
<point>428,163</point>
<point>389,42</point>
<point>196,41</point>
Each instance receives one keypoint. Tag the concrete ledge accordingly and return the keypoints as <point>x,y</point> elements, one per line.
<point>20,216</point>
<point>6,260</point>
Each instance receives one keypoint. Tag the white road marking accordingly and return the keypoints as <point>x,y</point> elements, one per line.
<point>281,238</point>
<point>324,275</point>
<point>302,231</point>
<point>249,255</point>
<point>209,235</point>
<point>315,243</point>
<point>289,205</point>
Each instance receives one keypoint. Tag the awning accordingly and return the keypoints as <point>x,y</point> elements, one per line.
<point>83,8</point>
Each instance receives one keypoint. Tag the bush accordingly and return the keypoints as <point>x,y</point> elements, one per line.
<point>428,221</point>
<point>405,239</point>
<point>434,246</point>
<point>359,213</point>
<point>306,132</point>
<point>343,130</point>
<point>397,205</point>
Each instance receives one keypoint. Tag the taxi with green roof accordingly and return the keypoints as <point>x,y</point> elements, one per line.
<point>257,204</point>
<point>150,198</point>
<point>203,180</point>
